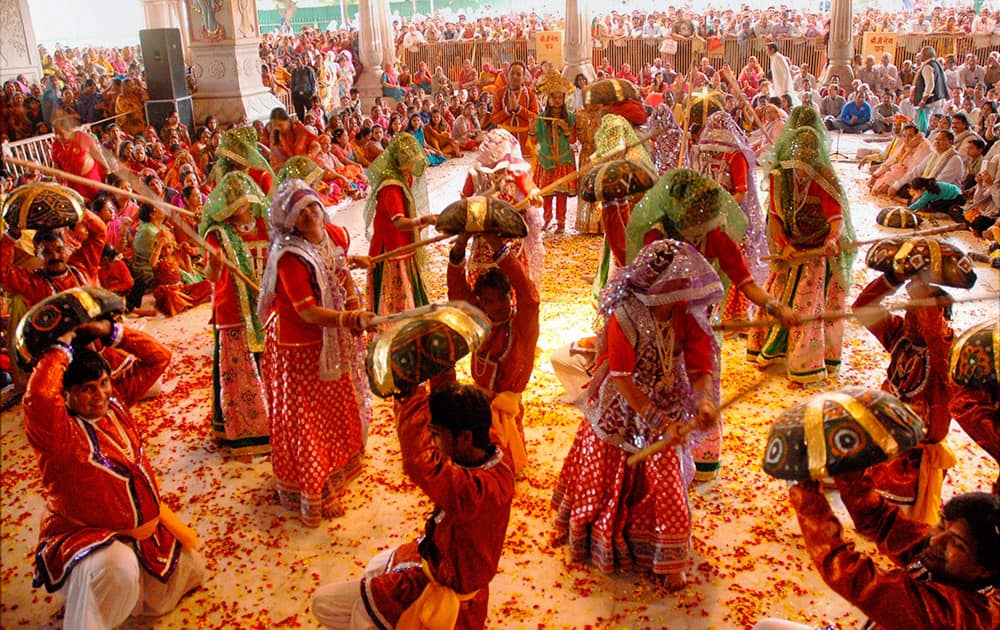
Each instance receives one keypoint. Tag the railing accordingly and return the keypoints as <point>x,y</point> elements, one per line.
<point>637,51</point>
<point>35,149</point>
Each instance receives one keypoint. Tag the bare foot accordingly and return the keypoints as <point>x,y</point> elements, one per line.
<point>334,510</point>
<point>675,581</point>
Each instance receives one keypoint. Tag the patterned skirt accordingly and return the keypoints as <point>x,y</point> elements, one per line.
<point>621,516</point>
<point>588,217</point>
<point>316,430</point>
<point>812,349</point>
<point>239,414</point>
<point>544,177</point>
<point>395,286</point>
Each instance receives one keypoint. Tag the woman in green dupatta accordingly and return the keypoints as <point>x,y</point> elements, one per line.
<point>807,211</point>
<point>395,212</point>
<point>234,223</point>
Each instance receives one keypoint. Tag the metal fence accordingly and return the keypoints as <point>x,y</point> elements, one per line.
<point>637,51</point>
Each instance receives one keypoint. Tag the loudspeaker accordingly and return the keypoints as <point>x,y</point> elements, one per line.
<point>164,60</point>
<point>158,110</point>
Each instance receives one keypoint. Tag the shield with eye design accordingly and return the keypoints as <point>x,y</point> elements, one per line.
<point>55,316</point>
<point>975,357</point>
<point>43,206</point>
<point>840,432</point>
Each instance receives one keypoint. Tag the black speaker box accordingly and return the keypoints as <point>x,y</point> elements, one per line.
<point>158,110</point>
<point>163,58</point>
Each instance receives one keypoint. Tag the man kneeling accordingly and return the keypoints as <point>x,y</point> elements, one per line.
<point>105,534</point>
<point>447,451</point>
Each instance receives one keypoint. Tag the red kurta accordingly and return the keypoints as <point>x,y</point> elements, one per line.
<point>505,101</point>
<point>385,236</point>
<point>97,480</point>
<point>116,277</point>
<point>503,363</point>
<point>34,285</point>
<point>75,157</point>
<point>979,415</point>
<point>894,598</point>
<point>464,536</point>
<point>296,142</point>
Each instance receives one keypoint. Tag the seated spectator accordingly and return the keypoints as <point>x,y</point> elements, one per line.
<point>934,196</point>
<point>114,274</point>
<point>466,129</point>
<point>855,116</point>
<point>884,114</point>
<point>438,136</point>
<point>831,105</point>
<point>975,149</point>
<point>178,285</point>
<point>942,165</point>
<point>963,133</point>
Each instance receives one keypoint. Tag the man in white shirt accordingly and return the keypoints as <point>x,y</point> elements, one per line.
<point>920,25</point>
<point>781,74</point>
<point>889,73</point>
<point>869,75</point>
<point>983,24</point>
<point>951,73</point>
<point>971,73</point>
<point>944,165</point>
<point>809,93</point>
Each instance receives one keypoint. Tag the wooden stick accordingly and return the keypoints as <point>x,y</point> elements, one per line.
<point>413,312</point>
<point>392,253</point>
<point>104,120</point>
<point>809,254</point>
<point>830,316</point>
<point>166,207</point>
<point>686,428</point>
<point>687,118</point>
<point>730,79</point>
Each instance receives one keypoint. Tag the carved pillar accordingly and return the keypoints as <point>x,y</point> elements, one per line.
<point>371,51</point>
<point>384,25</point>
<point>839,49</point>
<point>578,49</point>
<point>169,14</point>
<point>18,49</point>
<point>226,61</point>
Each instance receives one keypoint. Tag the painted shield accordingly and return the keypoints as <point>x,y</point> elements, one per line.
<point>43,206</point>
<point>840,432</point>
<point>482,214</point>
<point>898,217</point>
<point>608,91</point>
<point>975,357</point>
<point>54,316</point>
<point>421,347</point>
<point>616,179</point>
<point>943,263</point>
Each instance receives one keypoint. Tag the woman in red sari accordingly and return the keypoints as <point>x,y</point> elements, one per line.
<point>75,151</point>
<point>291,138</point>
<point>313,367</point>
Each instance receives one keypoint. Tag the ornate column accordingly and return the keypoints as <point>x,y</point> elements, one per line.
<point>839,49</point>
<point>226,62</point>
<point>371,51</point>
<point>385,30</point>
<point>578,48</point>
<point>18,50</point>
<point>169,14</point>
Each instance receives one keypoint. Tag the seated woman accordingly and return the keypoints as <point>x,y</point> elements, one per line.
<point>438,135</point>
<point>329,157</point>
<point>361,140</point>
<point>170,268</point>
<point>290,138</point>
<point>374,147</point>
<point>466,129</point>
<point>416,129</point>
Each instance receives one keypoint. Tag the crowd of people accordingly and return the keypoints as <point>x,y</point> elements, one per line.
<point>252,236</point>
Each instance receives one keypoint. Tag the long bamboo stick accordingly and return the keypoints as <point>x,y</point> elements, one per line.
<point>687,117</point>
<point>809,254</point>
<point>830,316</point>
<point>410,247</point>
<point>682,430</point>
<point>730,79</point>
<point>166,207</point>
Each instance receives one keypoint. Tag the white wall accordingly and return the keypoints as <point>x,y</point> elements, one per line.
<point>87,22</point>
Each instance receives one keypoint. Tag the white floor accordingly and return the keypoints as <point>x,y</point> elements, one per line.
<point>749,561</point>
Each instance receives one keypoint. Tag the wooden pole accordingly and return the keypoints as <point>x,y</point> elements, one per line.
<point>727,76</point>
<point>682,430</point>
<point>830,316</point>
<point>809,254</point>
<point>687,117</point>
<point>392,253</point>
<point>166,207</point>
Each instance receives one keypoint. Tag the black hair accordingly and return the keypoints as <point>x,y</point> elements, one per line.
<point>186,192</point>
<point>46,236</point>
<point>112,179</point>
<point>100,199</point>
<point>146,213</point>
<point>925,183</point>
<point>981,513</point>
<point>492,278</point>
<point>109,252</point>
<point>948,133</point>
<point>960,116</point>
<point>911,126</point>
<point>86,366</point>
<point>459,408</point>
<point>978,143</point>
<point>148,179</point>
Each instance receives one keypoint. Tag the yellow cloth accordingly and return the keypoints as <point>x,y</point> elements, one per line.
<point>506,408</point>
<point>187,536</point>
<point>935,459</point>
<point>435,609</point>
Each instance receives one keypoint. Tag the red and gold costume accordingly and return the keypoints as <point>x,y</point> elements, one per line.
<point>463,538</point>
<point>76,157</point>
<point>172,295</point>
<point>918,344</point>
<point>115,276</point>
<point>978,414</point>
<point>515,111</point>
<point>898,598</point>
<point>503,363</point>
<point>98,483</point>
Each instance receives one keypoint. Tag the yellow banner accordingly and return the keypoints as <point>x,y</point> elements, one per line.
<point>877,43</point>
<point>549,47</point>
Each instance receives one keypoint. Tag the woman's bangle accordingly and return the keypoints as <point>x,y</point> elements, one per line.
<point>772,306</point>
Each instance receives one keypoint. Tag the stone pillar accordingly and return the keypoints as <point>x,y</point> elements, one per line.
<point>578,48</point>
<point>226,61</point>
<point>838,51</point>
<point>169,14</point>
<point>385,30</point>
<point>18,48</point>
<point>369,83</point>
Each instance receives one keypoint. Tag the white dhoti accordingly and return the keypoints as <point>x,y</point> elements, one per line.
<point>572,368</point>
<point>108,586</point>
<point>339,605</point>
